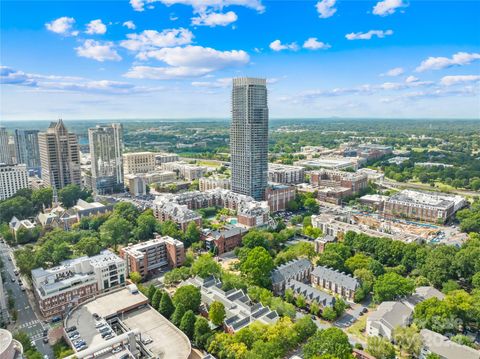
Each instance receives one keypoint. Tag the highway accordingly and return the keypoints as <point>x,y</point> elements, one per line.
<point>27,320</point>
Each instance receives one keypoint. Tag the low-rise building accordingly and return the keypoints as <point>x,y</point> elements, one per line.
<point>354,181</point>
<point>310,294</point>
<point>278,196</point>
<point>386,318</point>
<point>209,183</point>
<point>138,162</point>
<point>285,174</point>
<point>298,269</point>
<point>161,158</point>
<point>224,240</point>
<point>178,213</point>
<point>59,288</point>
<point>372,175</point>
<point>337,282</point>
<point>374,201</point>
<point>321,243</point>
<point>136,184</point>
<point>240,310</point>
<point>435,343</point>
<point>9,347</point>
<point>160,177</point>
<point>16,224</point>
<point>421,294</point>
<point>333,195</point>
<point>186,170</point>
<point>155,254</point>
<point>12,178</point>
<point>333,163</point>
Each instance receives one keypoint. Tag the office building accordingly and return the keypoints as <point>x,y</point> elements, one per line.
<point>156,254</point>
<point>356,182</point>
<point>27,150</point>
<point>12,178</point>
<point>278,196</point>
<point>161,158</point>
<point>249,137</point>
<point>4,150</point>
<point>138,162</point>
<point>331,162</point>
<point>136,184</point>
<point>106,147</point>
<point>59,156</point>
<point>59,288</point>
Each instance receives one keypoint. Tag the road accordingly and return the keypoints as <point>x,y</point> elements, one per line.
<point>27,320</point>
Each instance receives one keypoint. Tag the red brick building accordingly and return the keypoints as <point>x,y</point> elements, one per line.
<point>224,240</point>
<point>278,197</point>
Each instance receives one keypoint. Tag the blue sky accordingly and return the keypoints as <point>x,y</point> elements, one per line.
<point>175,58</point>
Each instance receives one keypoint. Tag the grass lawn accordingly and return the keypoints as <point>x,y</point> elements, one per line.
<point>358,328</point>
<point>209,163</point>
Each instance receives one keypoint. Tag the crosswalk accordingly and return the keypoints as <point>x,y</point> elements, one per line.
<point>29,324</point>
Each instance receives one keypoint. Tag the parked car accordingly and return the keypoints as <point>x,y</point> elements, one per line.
<point>45,332</point>
<point>56,319</point>
<point>13,280</point>
<point>72,334</point>
<point>105,334</point>
<point>146,340</point>
<point>83,347</point>
<point>104,329</point>
<point>117,349</point>
<point>71,329</point>
<point>109,336</point>
<point>45,340</point>
<point>100,324</point>
<point>125,356</point>
<point>75,337</point>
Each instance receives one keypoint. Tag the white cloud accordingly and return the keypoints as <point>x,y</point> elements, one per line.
<point>459,79</point>
<point>62,25</point>
<point>313,44</point>
<point>129,25</point>
<point>98,51</point>
<point>214,19</point>
<point>200,6</point>
<point>152,39</point>
<point>96,27</point>
<point>438,63</point>
<point>189,61</point>
<point>218,83</point>
<point>138,5</point>
<point>388,7</point>
<point>396,71</point>
<point>411,79</point>
<point>326,8</point>
<point>278,46</point>
<point>368,35</point>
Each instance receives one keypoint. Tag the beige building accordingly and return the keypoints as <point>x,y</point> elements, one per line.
<point>208,183</point>
<point>12,178</point>
<point>59,156</point>
<point>138,162</point>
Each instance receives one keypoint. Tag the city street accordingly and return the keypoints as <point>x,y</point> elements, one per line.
<point>27,320</point>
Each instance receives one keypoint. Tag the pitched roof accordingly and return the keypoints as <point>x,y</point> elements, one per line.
<point>311,294</point>
<point>391,314</point>
<point>444,347</point>
<point>290,270</point>
<point>334,276</point>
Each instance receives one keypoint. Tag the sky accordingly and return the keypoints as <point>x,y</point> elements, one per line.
<point>170,59</point>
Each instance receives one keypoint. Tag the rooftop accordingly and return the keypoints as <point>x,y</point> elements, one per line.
<point>445,348</point>
<point>333,275</point>
<point>290,269</point>
<point>310,293</point>
<point>391,314</point>
<point>438,200</point>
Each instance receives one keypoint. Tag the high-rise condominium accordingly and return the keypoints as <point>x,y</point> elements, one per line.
<point>26,148</point>
<point>59,156</point>
<point>106,147</point>
<point>5,153</point>
<point>249,137</point>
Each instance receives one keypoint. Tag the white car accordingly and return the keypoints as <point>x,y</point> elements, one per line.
<point>116,350</point>
<point>100,324</point>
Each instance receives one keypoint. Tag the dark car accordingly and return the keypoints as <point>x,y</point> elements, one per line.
<point>56,319</point>
<point>45,340</point>
<point>71,329</point>
<point>106,334</point>
<point>45,332</point>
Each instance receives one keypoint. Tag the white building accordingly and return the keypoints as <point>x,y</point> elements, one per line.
<point>12,178</point>
<point>208,183</point>
<point>435,343</point>
<point>285,174</point>
<point>387,317</point>
<point>138,162</point>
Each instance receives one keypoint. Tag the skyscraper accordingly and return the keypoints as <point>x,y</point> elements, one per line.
<point>59,156</point>
<point>5,153</point>
<point>26,148</point>
<point>249,137</point>
<point>106,147</point>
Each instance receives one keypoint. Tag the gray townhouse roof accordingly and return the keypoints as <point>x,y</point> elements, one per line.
<point>311,294</point>
<point>445,348</point>
<point>289,270</point>
<point>391,314</point>
<point>334,276</point>
<point>227,233</point>
<point>423,293</point>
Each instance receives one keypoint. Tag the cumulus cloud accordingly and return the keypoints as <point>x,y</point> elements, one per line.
<point>129,25</point>
<point>313,44</point>
<point>38,82</point>
<point>396,71</point>
<point>326,8</point>
<point>200,6</point>
<point>188,61</point>
<point>98,51</point>
<point>459,79</point>
<point>411,79</point>
<point>62,25</point>
<point>438,63</point>
<point>388,7</point>
<point>278,46</point>
<point>368,35</point>
<point>152,39</point>
<point>223,83</point>
<point>96,27</point>
<point>213,19</point>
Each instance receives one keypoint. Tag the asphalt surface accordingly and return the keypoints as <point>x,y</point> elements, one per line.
<point>27,320</point>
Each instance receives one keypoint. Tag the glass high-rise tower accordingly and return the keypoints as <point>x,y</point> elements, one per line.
<point>27,150</point>
<point>249,137</point>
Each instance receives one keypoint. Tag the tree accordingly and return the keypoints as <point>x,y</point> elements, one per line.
<point>329,341</point>
<point>126,210</point>
<point>380,348</point>
<point>305,328</point>
<point>476,280</point>
<point>42,197</point>
<point>135,277</point>
<point>257,267</point>
<point>217,313</point>
<point>255,238</point>
<point>201,332</point>
<point>329,314</point>
<point>408,339</point>
<point>289,295</point>
<point>189,296</point>
<point>169,228</point>
<point>89,246</point>
<point>300,301</point>
<point>314,308</point>
<point>449,286</point>
<point>438,266</point>
<point>339,307</point>
<point>192,234</point>
<point>146,224</point>
<point>187,324</point>
<point>178,314</point>
<point>114,231</point>
<point>391,286</point>
<point>166,307</point>
<point>156,298</point>
<point>70,194</point>
<point>311,205</point>
<point>151,292</point>
<point>463,340</point>
<point>205,266</point>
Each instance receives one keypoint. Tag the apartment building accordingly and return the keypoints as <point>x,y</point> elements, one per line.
<point>285,174</point>
<point>158,253</point>
<point>443,347</point>
<point>27,150</point>
<point>337,282</point>
<point>224,240</point>
<point>298,270</point>
<point>185,170</point>
<point>208,183</point>
<point>5,150</point>
<point>59,288</point>
<point>278,196</point>
<point>138,162</point>
<point>12,178</point>
<point>333,178</point>
<point>386,318</point>
<point>161,158</point>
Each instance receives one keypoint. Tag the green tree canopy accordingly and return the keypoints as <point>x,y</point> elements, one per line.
<point>189,296</point>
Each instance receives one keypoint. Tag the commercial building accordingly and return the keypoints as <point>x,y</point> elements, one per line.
<point>332,163</point>
<point>138,162</point>
<point>59,156</point>
<point>155,254</point>
<point>160,177</point>
<point>375,201</point>
<point>185,170</point>
<point>337,282</point>
<point>161,158</point>
<point>333,178</point>
<point>5,153</point>
<point>298,269</point>
<point>249,137</point>
<point>223,240</point>
<point>239,309</point>
<point>278,196</point>
<point>386,318</point>
<point>285,174</point>
<point>333,195</point>
<point>208,183</point>
<point>59,288</point>
<point>106,147</point>
<point>423,206</point>
<point>27,150</point>
<point>136,184</point>
<point>444,348</point>
<point>12,178</point>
